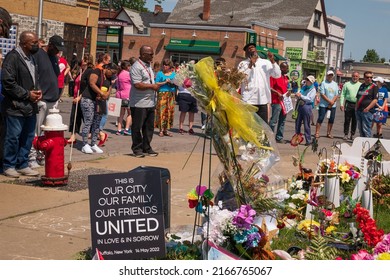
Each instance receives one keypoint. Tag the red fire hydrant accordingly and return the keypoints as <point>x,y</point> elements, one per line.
<point>52,144</point>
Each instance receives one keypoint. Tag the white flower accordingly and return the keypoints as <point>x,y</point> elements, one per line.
<point>292,205</point>
<point>299,184</point>
<point>281,195</point>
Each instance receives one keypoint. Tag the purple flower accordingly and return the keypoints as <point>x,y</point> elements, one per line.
<point>244,217</point>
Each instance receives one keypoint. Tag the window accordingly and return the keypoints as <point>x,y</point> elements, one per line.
<point>311,42</point>
<point>317,19</point>
<point>319,42</point>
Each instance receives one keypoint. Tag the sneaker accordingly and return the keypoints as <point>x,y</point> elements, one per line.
<point>127,132</point>
<point>33,164</point>
<point>96,149</point>
<point>152,153</point>
<point>203,127</point>
<point>87,149</point>
<point>345,137</point>
<point>139,155</point>
<point>351,137</point>
<point>280,141</point>
<point>27,171</point>
<point>119,132</point>
<point>11,172</point>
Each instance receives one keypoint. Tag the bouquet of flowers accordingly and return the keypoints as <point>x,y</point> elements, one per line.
<point>239,136</point>
<point>237,232</point>
<point>348,174</point>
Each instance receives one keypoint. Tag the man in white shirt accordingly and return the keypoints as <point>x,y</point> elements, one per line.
<point>255,89</point>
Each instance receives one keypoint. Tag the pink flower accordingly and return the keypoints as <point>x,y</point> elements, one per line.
<point>244,217</point>
<point>362,255</point>
<point>187,83</point>
<point>200,190</point>
<point>383,246</point>
<point>327,213</point>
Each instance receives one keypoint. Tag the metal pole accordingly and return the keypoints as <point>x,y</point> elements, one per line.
<point>40,13</point>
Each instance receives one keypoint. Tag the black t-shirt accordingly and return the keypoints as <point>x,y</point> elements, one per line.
<point>88,92</point>
<point>365,95</point>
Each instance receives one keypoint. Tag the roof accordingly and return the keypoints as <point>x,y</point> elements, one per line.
<point>291,14</point>
<point>151,17</point>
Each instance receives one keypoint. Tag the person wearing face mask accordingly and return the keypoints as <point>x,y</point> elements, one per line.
<point>48,71</point>
<point>143,103</point>
<point>20,80</point>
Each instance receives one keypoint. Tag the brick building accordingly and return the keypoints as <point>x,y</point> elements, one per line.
<point>66,18</point>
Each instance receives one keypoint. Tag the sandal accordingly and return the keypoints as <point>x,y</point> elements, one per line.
<point>329,136</point>
<point>181,131</point>
<point>317,135</point>
<point>191,131</point>
<point>161,134</point>
<point>167,133</point>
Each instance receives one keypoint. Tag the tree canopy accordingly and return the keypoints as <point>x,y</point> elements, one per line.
<point>371,56</point>
<point>138,5</point>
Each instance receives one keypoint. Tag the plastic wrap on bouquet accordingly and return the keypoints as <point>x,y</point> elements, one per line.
<point>367,202</point>
<point>332,190</point>
<point>240,138</point>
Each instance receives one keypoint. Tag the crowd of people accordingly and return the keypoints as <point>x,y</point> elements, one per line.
<point>33,76</point>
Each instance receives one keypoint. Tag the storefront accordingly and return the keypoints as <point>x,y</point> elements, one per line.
<point>182,50</point>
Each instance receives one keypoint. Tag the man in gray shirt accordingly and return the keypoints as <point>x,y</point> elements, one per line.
<point>142,103</point>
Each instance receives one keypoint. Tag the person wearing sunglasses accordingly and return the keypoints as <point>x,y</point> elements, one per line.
<point>367,98</point>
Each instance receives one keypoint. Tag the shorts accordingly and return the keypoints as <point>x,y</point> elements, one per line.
<point>187,103</point>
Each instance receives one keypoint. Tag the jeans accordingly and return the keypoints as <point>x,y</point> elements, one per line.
<point>20,132</point>
<point>323,111</point>
<point>280,119</point>
<point>364,121</point>
<point>304,113</point>
<point>104,119</point>
<point>142,129</point>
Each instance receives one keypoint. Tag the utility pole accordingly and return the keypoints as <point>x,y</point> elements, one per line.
<point>40,13</point>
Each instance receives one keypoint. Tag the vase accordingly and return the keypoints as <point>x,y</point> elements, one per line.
<point>332,190</point>
<point>367,201</point>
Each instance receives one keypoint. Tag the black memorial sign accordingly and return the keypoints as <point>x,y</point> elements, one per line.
<point>126,215</point>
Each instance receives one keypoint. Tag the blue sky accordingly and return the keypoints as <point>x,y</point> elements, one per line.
<point>368,24</point>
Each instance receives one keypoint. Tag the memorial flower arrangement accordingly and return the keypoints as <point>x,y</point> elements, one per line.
<point>237,232</point>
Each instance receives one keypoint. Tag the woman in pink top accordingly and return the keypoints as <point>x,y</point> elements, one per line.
<point>123,92</point>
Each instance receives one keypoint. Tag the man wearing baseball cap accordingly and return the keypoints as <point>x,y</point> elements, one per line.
<point>256,88</point>
<point>48,71</point>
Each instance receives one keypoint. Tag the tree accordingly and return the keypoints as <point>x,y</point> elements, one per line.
<point>371,56</point>
<point>138,5</point>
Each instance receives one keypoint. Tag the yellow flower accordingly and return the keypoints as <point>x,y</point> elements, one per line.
<point>384,256</point>
<point>345,177</point>
<point>329,229</point>
<point>305,225</point>
<point>343,167</point>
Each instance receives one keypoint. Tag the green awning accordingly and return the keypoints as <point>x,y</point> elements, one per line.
<point>262,51</point>
<point>108,44</point>
<point>194,46</point>
<point>279,57</point>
